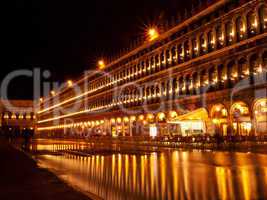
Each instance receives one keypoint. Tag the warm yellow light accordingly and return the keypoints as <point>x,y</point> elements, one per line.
<point>260,68</point>
<point>152,34</point>
<point>119,120</point>
<point>218,108</point>
<point>255,23</point>
<point>126,119</point>
<point>53,93</point>
<point>101,64</point>
<point>141,117</point>
<point>161,116</point>
<point>70,83</point>
<point>41,99</point>
<point>133,118</point>
<point>173,114</point>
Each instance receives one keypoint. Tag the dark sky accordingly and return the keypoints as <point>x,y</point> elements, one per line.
<point>67,37</point>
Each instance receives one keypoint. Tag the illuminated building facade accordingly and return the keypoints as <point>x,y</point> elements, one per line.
<point>206,75</point>
<point>16,116</point>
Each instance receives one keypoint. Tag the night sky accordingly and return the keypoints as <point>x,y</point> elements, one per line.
<point>67,37</point>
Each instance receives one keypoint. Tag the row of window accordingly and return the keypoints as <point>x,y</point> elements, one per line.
<point>16,116</point>
<point>218,36</point>
<point>217,77</point>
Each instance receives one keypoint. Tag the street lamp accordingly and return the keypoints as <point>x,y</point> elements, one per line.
<point>101,64</point>
<point>152,34</point>
<point>70,83</point>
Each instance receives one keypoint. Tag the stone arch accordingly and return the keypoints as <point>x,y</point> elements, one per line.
<point>172,115</point>
<point>219,117</point>
<point>262,12</point>
<point>240,28</point>
<point>260,116</point>
<point>219,36</point>
<point>254,64</point>
<point>243,67</point>
<point>232,71</point>
<point>161,117</point>
<point>229,32</point>
<point>251,26</point>
<point>211,41</point>
<point>240,119</point>
<point>195,47</point>
<point>202,43</point>
<point>150,118</point>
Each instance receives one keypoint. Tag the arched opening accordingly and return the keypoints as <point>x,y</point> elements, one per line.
<point>161,117</point>
<point>213,78</point>
<point>232,73</point>
<point>162,59</point>
<point>211,41</point>
<point>174,87</point>
<point>243,69</point>
<point>186,50</point>
<point>158,91</point>
<point>138,125</point>
<point>174,54</point>
<point>229,33</point>
<point>168,58</point>
<point>203,44</point>
<point>173,129</point>
<point>152,65</point>
<point>204,80</point>
<point>196,83</point>
<point>263,18</point>
<point>172,115</point>
<point>126,126</point>
<point>260,116</point>
<point>181,85</point>
<point>240,29</point>
<point>162,126</point>
<point>180,53</point>
<point>219,116</point>
<point>157,61</point>
<point>251,24</point>
<point>219,37</point>
<point>240,118</point>
<point>150,118</point>
<point>188,84</point>
<point>195,47</point>
<point>254,67</point>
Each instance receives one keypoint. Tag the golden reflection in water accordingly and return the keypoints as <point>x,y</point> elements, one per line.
<point>163,175</point>
<point>133,186</point>
<point>126,171</point>
<point>166,175</point>
<point>175,183</point>
<point>223,180</point>
<point>248,183</point>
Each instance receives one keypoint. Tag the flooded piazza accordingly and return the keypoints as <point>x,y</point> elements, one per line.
<point>164,174</point>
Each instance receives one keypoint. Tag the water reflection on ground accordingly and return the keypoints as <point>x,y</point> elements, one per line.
<point>170,174</point>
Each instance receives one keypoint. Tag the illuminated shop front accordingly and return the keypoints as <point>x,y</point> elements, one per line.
<point>192,123</point>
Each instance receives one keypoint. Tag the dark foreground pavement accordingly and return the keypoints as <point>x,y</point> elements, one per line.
<point>20,178</point>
